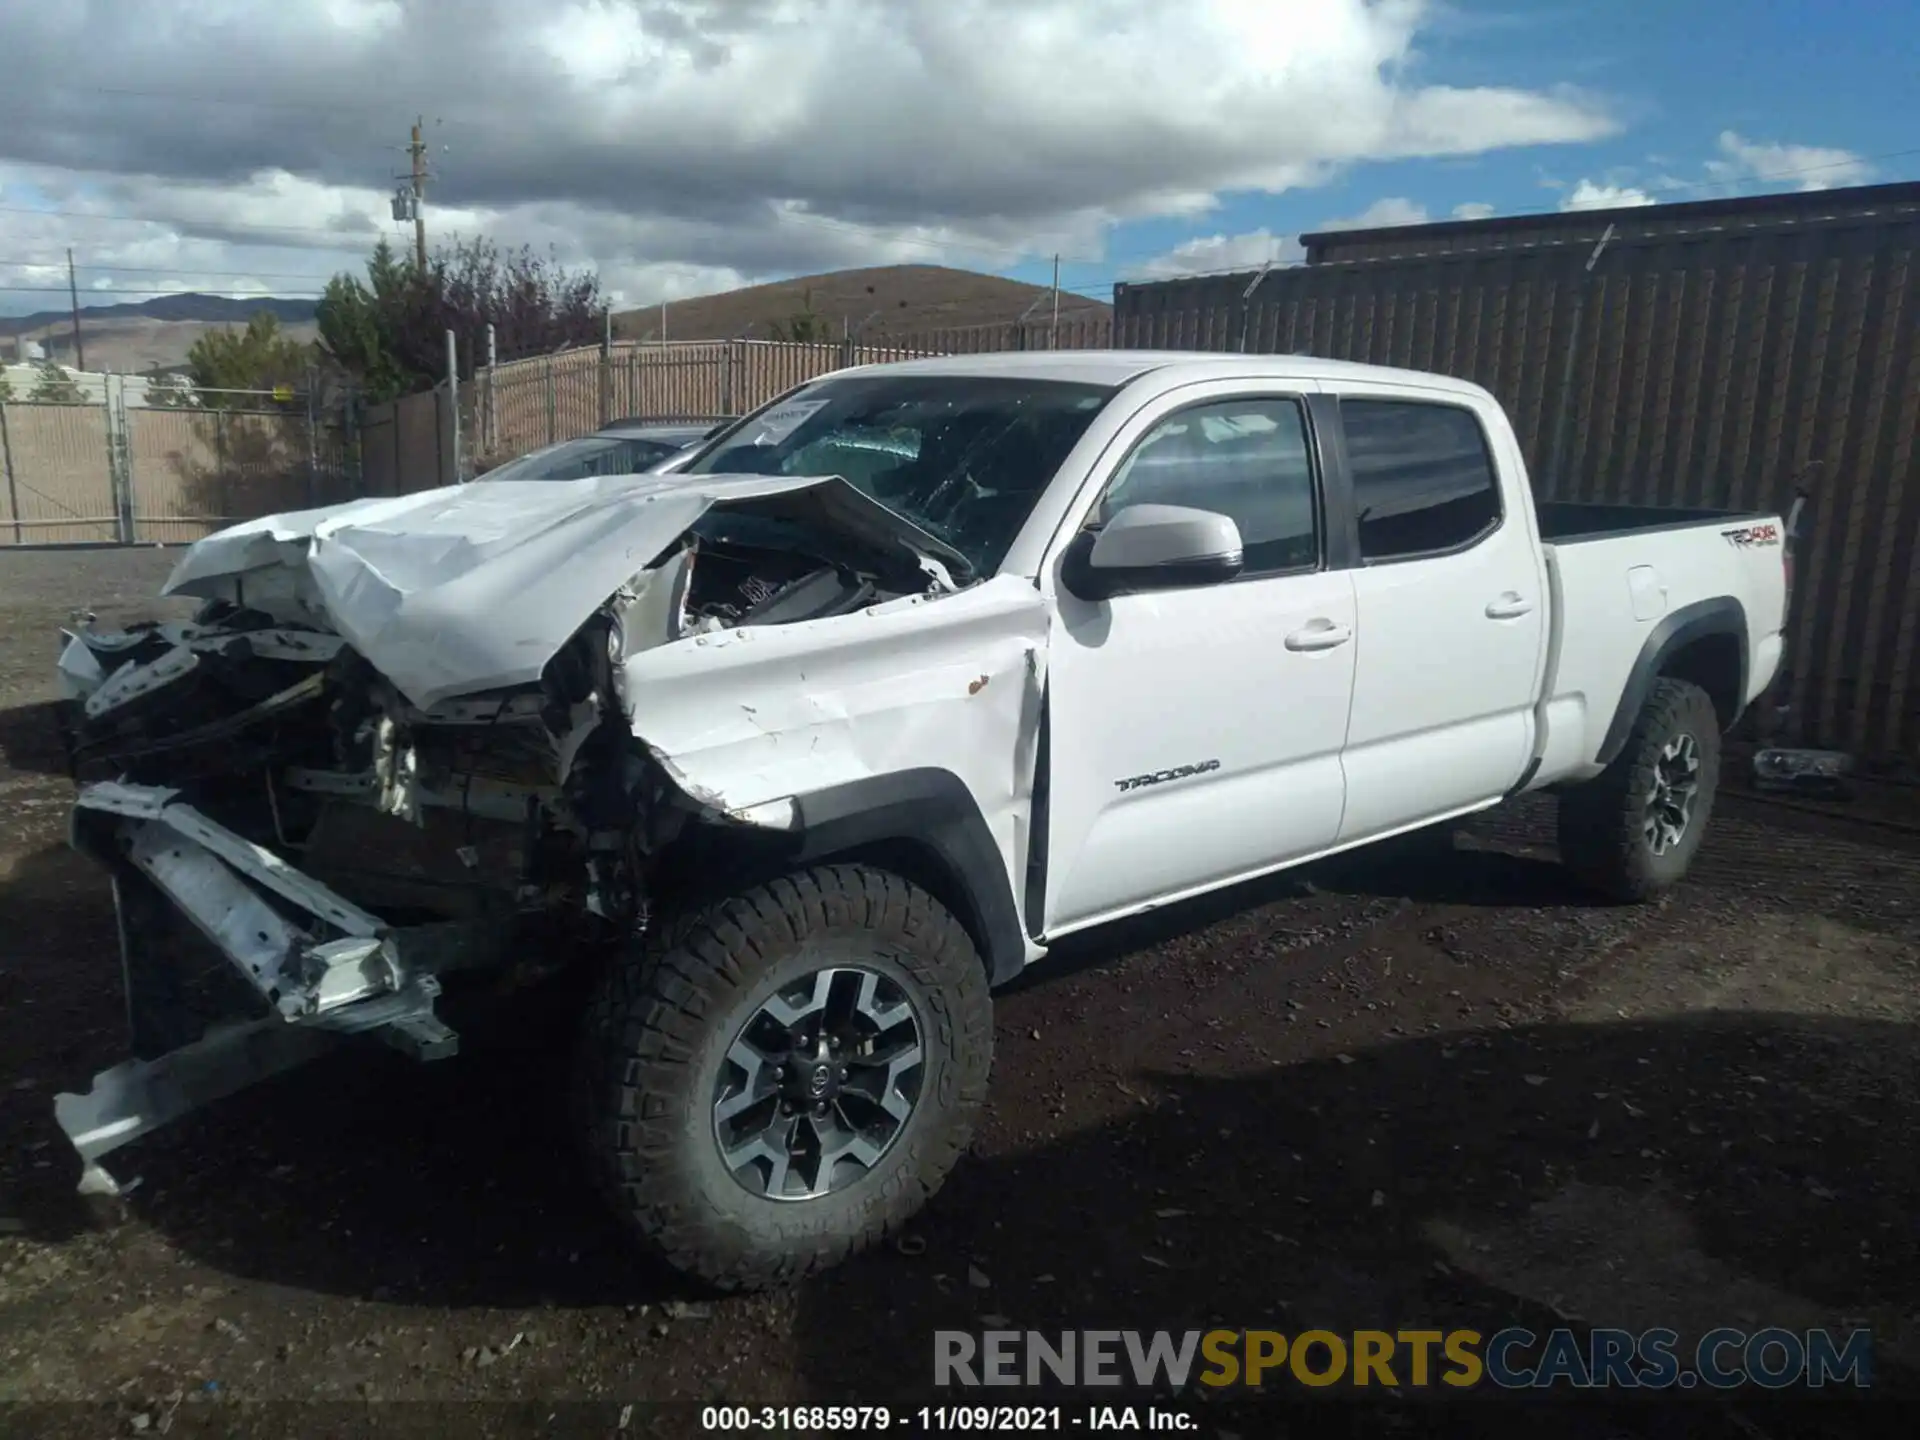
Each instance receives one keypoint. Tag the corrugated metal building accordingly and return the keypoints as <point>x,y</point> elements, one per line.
<point>1705,354</point>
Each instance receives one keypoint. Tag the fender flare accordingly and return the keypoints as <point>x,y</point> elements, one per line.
<point>933,809</point>
<point>1722,615</point>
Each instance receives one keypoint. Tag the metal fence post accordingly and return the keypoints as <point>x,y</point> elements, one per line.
<point>113,398</point>
<point>490,430</point>
<point>453,402</point>
<point>313,445</point>
<point>6,461</point>
<point>220,464</point>
<point>606,368</point>
<point>726,376</point>
<point>553,419</point>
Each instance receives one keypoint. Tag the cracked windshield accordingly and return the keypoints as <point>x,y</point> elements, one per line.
<point>964,460</point>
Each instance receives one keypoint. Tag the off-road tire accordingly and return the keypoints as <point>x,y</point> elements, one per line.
<point>1602,823</point>
<point>652,1045</point>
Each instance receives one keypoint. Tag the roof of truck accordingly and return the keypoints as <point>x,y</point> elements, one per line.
<point>1119,367</point>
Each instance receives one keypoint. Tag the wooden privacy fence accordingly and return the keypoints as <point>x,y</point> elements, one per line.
<point>109,472</point>
<point>521,405</point>
<point>1697,369</point>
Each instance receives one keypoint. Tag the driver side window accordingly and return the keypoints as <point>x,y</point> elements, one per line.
<point>1246,459</point>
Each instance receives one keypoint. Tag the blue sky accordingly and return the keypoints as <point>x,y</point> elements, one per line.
<point>250,148</point>
<point>1841,76</point>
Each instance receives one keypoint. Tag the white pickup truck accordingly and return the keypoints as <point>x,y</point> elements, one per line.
<point>802,749</point>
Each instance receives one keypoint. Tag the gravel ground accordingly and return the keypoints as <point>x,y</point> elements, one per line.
<point>1382,1095</point>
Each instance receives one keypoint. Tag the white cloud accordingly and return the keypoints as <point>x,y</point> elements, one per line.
<point>1741,165</point>
<point>1808,167</point>
<point>1593,195</point>
<point>701,142</point>
<point>1213,254</point>
<point>1390,210</point>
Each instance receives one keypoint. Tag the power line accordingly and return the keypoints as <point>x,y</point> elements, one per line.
<point>170,270</point>
<point>234,227</point>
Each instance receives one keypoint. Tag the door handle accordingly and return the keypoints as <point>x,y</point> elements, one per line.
<point>1510,606</point>
<point>1319,635</point>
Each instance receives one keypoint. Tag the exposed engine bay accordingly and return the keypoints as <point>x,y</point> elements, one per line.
<point>532,799</point>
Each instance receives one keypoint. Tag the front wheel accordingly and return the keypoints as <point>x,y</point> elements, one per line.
<point>1631,832</point>
<point>788,1077</point>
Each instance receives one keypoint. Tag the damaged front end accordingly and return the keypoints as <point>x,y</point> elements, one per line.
<point>308,847</point>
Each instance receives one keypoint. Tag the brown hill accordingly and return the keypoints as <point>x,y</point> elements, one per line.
<point>133,344</point>
<point>892,300</point>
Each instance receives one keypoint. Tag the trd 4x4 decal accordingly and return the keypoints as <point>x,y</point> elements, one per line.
<point>1753,535</point>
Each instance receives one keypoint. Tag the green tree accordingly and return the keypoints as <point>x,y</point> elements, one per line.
<point>390,332</point>
<point>54,386</point>
<point>260,357</point>
<point>805,326</point>
<point>359,323</point>
<point>6,386</point>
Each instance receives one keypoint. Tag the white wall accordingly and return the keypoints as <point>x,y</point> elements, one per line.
<point>92,383</point>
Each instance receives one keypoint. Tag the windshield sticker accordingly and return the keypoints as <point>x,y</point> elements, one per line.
<point>781,421</point>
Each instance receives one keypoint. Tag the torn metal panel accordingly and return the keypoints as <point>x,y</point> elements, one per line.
<point>747,719</point>
<point>366,979</point>
<point>111,797</point>
<point>339,972</point>
<point>229,912</point>
<point>135,682</point>
<point>466,589</point>
<point>99,663</point>
<point>268,870</point>
<point>79,669</point>
<point>650,609</point>
<point>214,877</point>
<point>137,1097</point>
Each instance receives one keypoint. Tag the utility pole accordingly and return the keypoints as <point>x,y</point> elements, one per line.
<point>418,150</point>
<point>73,296</point>
<point>1053,341</point>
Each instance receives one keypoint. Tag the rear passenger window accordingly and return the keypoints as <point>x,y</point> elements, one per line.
<point>1245,459</point>
<point>1423,480</point>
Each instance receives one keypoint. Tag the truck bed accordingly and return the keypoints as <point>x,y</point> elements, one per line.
<point>1621,573</point>
<point>1567,522</point>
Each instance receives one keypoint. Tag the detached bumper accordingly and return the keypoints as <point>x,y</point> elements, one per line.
<point>318,966</point>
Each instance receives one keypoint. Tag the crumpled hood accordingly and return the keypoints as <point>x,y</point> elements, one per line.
<point>468,588</point>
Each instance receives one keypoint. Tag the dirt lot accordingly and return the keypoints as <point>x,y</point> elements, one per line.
<point>1386,1095</point>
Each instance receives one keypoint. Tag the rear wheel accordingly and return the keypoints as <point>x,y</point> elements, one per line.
<point>788,1077</point>
<point>1631,833</point>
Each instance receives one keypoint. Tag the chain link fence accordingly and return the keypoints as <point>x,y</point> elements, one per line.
<point>108,471</point>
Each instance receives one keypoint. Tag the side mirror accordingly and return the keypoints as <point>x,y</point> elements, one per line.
<point>1152,547</point>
